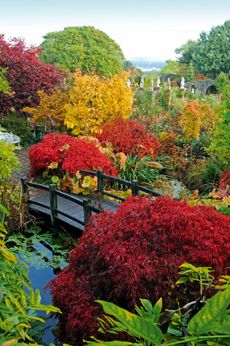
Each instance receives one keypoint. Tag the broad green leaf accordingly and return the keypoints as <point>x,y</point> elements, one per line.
<point>112,343</point>
<point>214,310</point>
<point>137,326</point>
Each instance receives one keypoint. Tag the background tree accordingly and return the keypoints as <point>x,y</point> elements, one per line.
<point>185,52</point>
<point>25,74</point>
<point>209,54</point>
<point>85,48</point>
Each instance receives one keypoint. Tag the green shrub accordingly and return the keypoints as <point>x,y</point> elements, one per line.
<point>19,126</point>
<point>8,161</point>
<point>144,169</point>
<point>220,143</point>
<point>202,175</point>
<point>201,322</point>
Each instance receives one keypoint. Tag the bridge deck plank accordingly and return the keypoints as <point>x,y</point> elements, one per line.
<point>66,206</point>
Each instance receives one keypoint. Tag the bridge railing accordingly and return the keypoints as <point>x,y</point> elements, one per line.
<point>88,209</point>
<point>53,208</point>
<point>103,178</point>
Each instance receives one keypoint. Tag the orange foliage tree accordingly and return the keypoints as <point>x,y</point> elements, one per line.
<point>95,101</point>
<point>196,117</point>
<point>50,105</point>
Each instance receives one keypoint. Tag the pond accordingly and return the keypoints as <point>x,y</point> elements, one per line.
<point>45,254</point>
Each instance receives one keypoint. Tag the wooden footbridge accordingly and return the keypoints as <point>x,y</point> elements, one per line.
<point>75,210</point>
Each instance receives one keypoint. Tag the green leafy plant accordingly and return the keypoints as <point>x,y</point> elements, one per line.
<point>192,324</point>
<point>42,249</point>
<point>8,161</point>
<point>11,197</point>
<point>144,169</point>
<point>19,126</point>
<point>19,303</point>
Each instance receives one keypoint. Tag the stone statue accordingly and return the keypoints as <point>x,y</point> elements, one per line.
<point>169,83</point>
<point>182,83</point>
<point>142,83</point>
<point>151,87</point>
<point>158,82</point>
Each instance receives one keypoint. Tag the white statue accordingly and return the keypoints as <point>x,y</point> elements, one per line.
<point>128,83</point>
<point>158,82</point>
<point>169,83</point>
<point>182,83</point>
<point>151,87</point>
<point>142,83</point>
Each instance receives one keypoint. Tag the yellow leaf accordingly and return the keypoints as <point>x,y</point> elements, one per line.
<point>53,165</point>
<point>64,148</point>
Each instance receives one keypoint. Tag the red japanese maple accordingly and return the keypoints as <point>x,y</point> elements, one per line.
<point>136,252</point>
<point>130,137</point>
<point>26,74</point>
<point>71,153</point>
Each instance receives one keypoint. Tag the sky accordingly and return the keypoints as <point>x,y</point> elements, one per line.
<point>144,28</point>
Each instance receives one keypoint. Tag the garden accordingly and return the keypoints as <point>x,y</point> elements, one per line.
<point>154,268</point>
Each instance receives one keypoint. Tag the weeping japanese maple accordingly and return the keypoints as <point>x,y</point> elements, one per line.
<point>136,252</point>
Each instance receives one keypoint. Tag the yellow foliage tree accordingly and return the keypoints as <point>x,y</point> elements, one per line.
<point>196,117</point>
<point>95,101</point>
<point>50,105</point>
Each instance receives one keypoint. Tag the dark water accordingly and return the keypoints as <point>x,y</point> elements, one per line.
<point>39,277</point>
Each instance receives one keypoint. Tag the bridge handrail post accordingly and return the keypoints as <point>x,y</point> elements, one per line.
<point>134,187</point>
<point>24,186</point>
<point>86,210</point>
<point>53,203</point>
<point>25,189</point>
<point>100,182</point>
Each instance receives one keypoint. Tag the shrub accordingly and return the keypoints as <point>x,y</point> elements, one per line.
<point>196,116</point>
<point>70,153</point>
<point>19,126</point>
<point>129,137</point>
<point>51,105</point>
<point>94,101</point>
<point>8,161</point>
<point>202,175</point>
<point>144,170</point>
<point>220,143</point>
<point>137,250</point>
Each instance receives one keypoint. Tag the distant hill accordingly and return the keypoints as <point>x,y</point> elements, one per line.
<point>147,64</point>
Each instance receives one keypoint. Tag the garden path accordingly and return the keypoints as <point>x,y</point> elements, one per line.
<point>23,157</point>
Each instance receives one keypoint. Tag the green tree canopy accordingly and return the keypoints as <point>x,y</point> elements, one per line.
<point>210,54</point>
<point>84,48</point>
<point>185,52</point>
